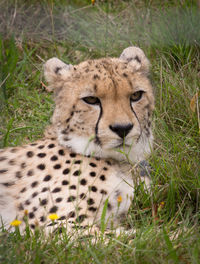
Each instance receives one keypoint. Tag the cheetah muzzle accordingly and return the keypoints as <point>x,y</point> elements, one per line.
<point>100,130</point>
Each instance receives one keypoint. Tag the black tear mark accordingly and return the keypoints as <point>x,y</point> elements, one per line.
<point>97,140</point>
<point>137,120</point>
<point>57,70</point>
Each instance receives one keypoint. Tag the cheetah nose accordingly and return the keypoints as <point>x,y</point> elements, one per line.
<point>121,130</point>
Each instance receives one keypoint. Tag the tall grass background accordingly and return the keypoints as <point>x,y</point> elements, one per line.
<point>166,222</point>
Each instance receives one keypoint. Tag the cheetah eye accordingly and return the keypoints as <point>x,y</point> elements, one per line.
<point>136,96</point>
<point>91,100</point>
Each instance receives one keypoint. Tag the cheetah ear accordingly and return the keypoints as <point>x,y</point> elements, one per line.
<point>136,58</point>
<point>55,71</point>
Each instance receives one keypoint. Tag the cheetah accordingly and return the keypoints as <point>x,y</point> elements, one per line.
<point>100,130</point>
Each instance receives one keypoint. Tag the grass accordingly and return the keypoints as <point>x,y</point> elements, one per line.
<point>168,222</point>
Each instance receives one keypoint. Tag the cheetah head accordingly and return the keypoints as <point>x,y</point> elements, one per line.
<point>103,107</point>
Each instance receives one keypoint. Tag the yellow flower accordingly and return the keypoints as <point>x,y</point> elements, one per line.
<point>53,217</point>
<point>162,203</point>
<point>119,199</point>
<point>161,206</point>
<point>15,222</point>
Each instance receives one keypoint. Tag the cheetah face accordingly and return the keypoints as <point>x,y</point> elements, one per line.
<point>103,107</point>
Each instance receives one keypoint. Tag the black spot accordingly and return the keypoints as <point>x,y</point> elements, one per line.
<point>57,189</point>
<point>66,171</point>
<point>92,209</point>
<point>125,74</point>
<point>21,207</point>
<point>92,174</point>
<point>62,218</point>
<point>8,184</point>
<point>41,146</point>
<point>92,164</point>
<point>51,145</point>
<point>102,177</point>
<point>42,218</point>
<point>96,76</point>
<point>72,113</point>
<point>34,184</point>
<point>23,190</point>
<point>82,196</point>
<point>90,201</point>
<point>57,69</point>
<point>3,171</point>
<point>67,161</point>
<point>33,144</point>
<point>57,166</point>
<point>71,214</point>
<point>72,155</point>
<point>34,209</point>
<point>2,158</point>
<point>41,166</point>
<point>83,182</point>
<point>12,162</point>
<point>41,155</point>
<point>34,194</point>
<point>30,173</point>
<point>67,120</point>
<point>78,162</point>
<point>77,173</point>
<point>45,189</point>
<point>18,175</point>
<point>61,152</point>
<point>54,157</point>
<point>30,154</point>
<point>47,178</point>
<point>53,223</point>
<point>43,202</point>
<point>81,218</point>
<point>108,162</point>
<point>14,150</point>
<point>32,226</point>
<point>53,209</point>
<point>71,198</point>
<point>23,165</point>
<point>109,206</point>
<point>105,168</point>
<point>58,200</point>
<point>103,192</point>
<point>65,182</point>
<point>93,188</point>
<point>72,187</point>
<point>27,202</point>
